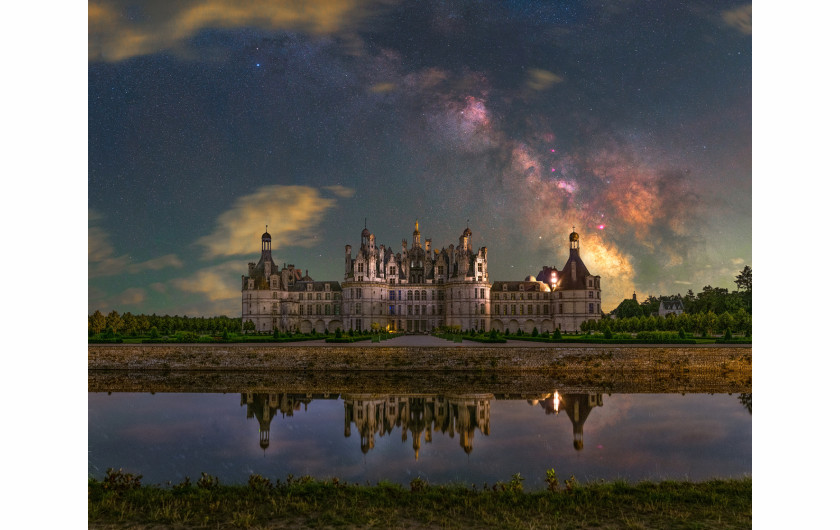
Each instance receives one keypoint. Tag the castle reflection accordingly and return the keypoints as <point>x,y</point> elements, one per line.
<point>577,408</point>
<point>420,415</point>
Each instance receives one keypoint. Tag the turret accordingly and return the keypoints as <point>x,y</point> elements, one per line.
<point>416,238</point>
<point>266,245</point>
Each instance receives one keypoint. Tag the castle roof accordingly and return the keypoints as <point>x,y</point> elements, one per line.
<point>527,286</point>
<point>565,282</point>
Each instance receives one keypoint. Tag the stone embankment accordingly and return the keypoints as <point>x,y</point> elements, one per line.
<point>232,367</point>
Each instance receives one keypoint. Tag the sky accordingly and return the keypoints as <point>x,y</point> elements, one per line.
<point>630,121</point>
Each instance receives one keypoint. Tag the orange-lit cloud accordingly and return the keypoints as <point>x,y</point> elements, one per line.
<point>216,283</point>
<point>113,36</point>
<point>381,88</point>
<point>292,213</point>
<point>542,79</point>
<point>131,296</point>
<point>740,18</point>
<point>102,258</point>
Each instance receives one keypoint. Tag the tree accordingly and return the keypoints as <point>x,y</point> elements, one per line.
<point>249,325</point>
<point>628,308</point>
<point>744,279</point>
<point>725,322</point>
<point>113,320</point>
<point>651,305</point>
<point>129,324</point>
<point>96,322</point>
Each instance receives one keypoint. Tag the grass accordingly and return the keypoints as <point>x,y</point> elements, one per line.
<point>304,502</point>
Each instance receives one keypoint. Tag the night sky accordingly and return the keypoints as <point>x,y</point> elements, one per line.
<point>630,121</point>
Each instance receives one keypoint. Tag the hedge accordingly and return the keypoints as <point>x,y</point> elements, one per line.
<point>498,340</point>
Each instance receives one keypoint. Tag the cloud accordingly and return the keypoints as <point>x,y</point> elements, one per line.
<point>102,258</point>
<point>341,191</point>
<point>542,79</point>
<point>216,283</point>
<point>292,214</point>
<point>131,296</point>
<point>740,18</point>
<point>155,264</point>
<point>100,300</point>
<point>737,261</point>
<point>380,88</point>
<point>114,35</point>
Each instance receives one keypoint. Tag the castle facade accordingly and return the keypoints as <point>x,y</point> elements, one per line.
<point>417,290</point>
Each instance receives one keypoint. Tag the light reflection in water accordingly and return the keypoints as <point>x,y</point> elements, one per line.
<point>636,436</point>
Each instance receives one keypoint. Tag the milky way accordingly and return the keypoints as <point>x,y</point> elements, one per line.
<point>210,119</point>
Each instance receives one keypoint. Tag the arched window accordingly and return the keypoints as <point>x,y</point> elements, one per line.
<point>423,295</point>
<point>410,295</point>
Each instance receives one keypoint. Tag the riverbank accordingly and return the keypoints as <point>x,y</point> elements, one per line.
<point>304,502</point>
<point>423,353</point>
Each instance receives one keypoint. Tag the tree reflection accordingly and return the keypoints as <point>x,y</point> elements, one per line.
<point>746,401</point>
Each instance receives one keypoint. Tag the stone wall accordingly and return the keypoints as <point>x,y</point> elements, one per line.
<point>268,357</point>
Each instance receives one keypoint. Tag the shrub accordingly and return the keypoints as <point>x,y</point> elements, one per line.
<point>207,482</point>
<point>557,334</point>
<point>551,480</point>
<point>418,484</point>
<point>535,332</point>
<point>608,333</point>
<point>120,481</point>
<point>259,483</point>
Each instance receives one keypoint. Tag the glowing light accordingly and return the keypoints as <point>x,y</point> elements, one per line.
<point>553,170</point>
<point>601,227</point>
<point>556,401</point>
<point>552,150</point>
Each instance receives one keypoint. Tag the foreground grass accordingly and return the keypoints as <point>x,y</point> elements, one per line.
<point>304,502</point>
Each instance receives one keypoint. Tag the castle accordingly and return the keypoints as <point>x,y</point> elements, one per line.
<point>417,290</point>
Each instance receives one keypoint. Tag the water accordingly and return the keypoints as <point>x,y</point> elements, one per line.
<point>440,437</point>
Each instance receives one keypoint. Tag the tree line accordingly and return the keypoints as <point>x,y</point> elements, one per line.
<point>700,323</point>
<point>713,310</point>
<point>718,300</point>
<point>131,325</point>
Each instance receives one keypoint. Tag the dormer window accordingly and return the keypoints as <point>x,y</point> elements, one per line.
<point>504,287</point>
